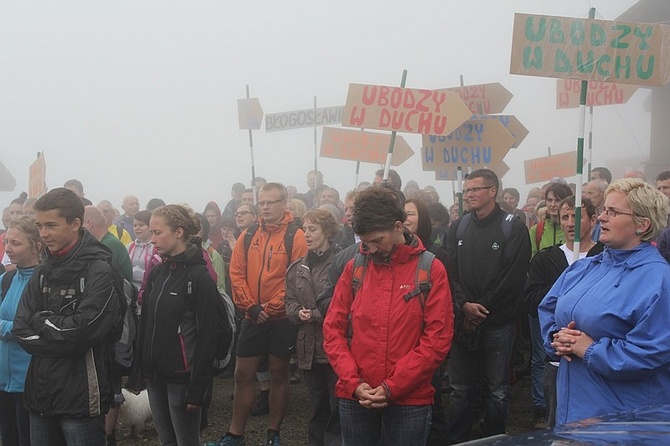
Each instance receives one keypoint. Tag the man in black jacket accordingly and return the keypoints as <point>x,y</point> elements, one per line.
<point>489,252</point>
<point>68,319</point>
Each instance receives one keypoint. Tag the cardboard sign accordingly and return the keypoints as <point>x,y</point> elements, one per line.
<point>476,144</point>
<point>427,112</point>
<point>598,50</point>
<point>484,98</point>
<point>7,180</point>
<point>512,124</point>
<point>298,119</point>
<point>249,114</point>
<point>568,93</point>
<point>544,169</point>
<point>368,147</point>
<point>37,173</point>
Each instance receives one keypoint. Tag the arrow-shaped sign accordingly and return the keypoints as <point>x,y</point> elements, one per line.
<point>548,167</point>
<point>597,93</point>
<point>476,144</point>
<point>408,110</point>
<point>7,180</point>
<point>484,98</point>
<point>249,113</point>
<point>364,146</point>
<point>512,124</point>
<point>450,173</point>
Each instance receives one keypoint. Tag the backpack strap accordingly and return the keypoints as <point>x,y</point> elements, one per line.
<point>119,231</point>
<point>289,235</point>
<point>422,280</point>
<point>506,225</point>
<point>463,224</point>
<point>360,267</point>
<point>248,236</point>
<point>7,282</point>
<point>538,233</point>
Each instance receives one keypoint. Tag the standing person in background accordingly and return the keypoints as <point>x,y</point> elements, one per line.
<point>116,230</point>
<point>601,173</point>
<point>141,250</point>
<point>24,246</point>
<point>510,203</point>
<point>235,201</point>
<point>213,215</point>
<point>489,253</point>
<point>130,206</point>
<point>383,345</point>
<point>69,318</point>
<point>259,280</point>
<point>304,282</point>
<point>544,270</point>
<point>547,232</point>
<point>606,316</point>
<point>176,336</point>
<point>345,235</point>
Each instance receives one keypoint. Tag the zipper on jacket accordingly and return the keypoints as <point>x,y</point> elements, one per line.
<point>270,258</point>
<point>260,274</point>
<point>153,331</point>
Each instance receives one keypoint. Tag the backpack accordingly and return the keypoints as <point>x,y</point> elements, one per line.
<point>422,279</point>
<point>538,233</point>
<point>289,235</point>
<point>7,281</point>
<point>506,225</point>
<point>119,231</point>
<point>225,326</point>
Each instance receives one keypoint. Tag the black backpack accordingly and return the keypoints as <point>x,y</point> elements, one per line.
<point>225,322</point>
<point>7,281</point>
<point>289,235</point>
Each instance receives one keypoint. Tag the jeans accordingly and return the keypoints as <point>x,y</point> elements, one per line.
<point>174,425</point>
<point>536,362</point>
<point>57,431</point>
<point>324,425</point>
<point>390,426</point>
<point>14,420</point>
<point>473,363</point>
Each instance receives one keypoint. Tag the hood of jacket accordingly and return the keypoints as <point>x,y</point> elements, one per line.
<point>274,227</point>
<point>401,253</point>
<point>629,259</point>
<point>61,270</point>
<point>191,256</point>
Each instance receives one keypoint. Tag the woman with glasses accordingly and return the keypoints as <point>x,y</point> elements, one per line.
<point>607,316</point>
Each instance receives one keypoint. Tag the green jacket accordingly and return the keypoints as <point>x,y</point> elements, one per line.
<point>552,234</point>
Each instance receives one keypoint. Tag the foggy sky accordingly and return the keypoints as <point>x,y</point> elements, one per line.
<point>141,97</point>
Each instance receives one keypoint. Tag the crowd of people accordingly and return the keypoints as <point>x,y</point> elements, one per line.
<point>381,297</point>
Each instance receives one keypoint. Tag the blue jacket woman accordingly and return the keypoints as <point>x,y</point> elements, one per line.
<point>607,316</point>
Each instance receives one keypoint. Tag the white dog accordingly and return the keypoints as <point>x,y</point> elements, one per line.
<point>135,412</point>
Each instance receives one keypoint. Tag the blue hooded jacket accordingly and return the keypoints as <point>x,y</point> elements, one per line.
<point>621,299</point>
<point>14,359</point>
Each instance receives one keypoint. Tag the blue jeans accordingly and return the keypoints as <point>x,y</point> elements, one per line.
<point>390,426</point>
<point>473,362</point>
<point>57,431</point>
<point>536,362</point>
<point>174,425</point>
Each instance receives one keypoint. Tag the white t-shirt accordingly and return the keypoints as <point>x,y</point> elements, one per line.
<point>569,255</point>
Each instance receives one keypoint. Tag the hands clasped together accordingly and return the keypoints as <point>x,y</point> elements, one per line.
<point>570,341</point>
<point>371,398</point>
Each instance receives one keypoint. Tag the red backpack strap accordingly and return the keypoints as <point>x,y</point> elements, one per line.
<point>538,233</point>
<point>422,279</point>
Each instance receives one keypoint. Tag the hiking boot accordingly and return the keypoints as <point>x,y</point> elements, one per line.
<point>226,440</point>
<point>262,406</point>
<point>271,438</point>
<point>540,418</point>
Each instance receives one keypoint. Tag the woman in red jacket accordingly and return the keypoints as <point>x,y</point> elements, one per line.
<point>385,338</point>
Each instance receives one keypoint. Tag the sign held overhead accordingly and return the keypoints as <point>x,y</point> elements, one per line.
<point>597,93</point>
<point>483,98</point>
<point>588,49</point>
<point>368,147</point>
<point>404,109</point>
<point>298,119</point>
<point>548,167</point>
<point>249,113</point>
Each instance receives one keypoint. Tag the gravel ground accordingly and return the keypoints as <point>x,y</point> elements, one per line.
<point>294,430</point>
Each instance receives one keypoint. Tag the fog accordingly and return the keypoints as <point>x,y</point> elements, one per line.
<point>141,97</point>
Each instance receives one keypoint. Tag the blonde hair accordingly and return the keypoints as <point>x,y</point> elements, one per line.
<point>28,225</point>
<point>299,207</point>
<point>645,202</point>
<point>177,216</point>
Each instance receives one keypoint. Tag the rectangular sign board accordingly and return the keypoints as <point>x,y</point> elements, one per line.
<point>587,49</point>
<point>364,146</point>
<point>298,119</point>
<point>427,112</point>
<point>37,177</point>
<point>547,167</point>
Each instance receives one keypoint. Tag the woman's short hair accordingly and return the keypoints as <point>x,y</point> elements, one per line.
<point>559,190</point>
<point>325,219</point>
<point>645,202</point>
<point>143,216</point>
<point>377,209</point>
<point>299,207</point>
<point>177,216</point>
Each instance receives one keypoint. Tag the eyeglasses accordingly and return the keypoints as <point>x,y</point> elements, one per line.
<point>612,213</point>
<point>241,213</point>
<point>475,189</point>
<point>269,202</point>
